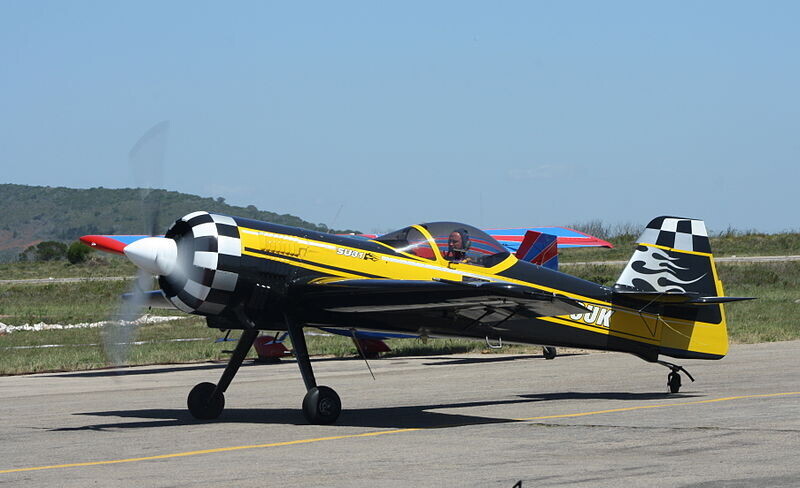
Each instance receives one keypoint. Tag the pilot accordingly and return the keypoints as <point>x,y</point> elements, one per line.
<point>457,245</point>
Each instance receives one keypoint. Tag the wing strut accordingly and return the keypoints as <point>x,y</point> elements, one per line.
<point>360,351</point>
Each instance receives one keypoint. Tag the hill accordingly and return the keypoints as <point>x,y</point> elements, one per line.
<point>31,214</point>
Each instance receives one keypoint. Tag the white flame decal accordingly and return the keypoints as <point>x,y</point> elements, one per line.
<point>656,269</point>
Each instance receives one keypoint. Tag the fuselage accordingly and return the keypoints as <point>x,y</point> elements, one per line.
<point>278,257</point>
<point>248,274</point>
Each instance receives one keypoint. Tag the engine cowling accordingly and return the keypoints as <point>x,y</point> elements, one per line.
<point>206,274</point>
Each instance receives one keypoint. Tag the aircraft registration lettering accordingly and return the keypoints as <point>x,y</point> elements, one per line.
<point>356,254</point>
<point>351,253</point>
<point>597,315</point>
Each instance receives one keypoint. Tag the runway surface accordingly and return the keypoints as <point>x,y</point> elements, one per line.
<point>597,419</point>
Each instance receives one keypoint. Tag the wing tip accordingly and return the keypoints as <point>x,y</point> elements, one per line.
<point>104,243</point>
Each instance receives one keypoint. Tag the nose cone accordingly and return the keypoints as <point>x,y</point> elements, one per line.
<point>157,255</point>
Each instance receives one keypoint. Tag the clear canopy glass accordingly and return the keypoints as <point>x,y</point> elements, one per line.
<point>456,242</point>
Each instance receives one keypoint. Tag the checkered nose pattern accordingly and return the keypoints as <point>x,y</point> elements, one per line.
<point>681,234</point>
<point>207,271</point>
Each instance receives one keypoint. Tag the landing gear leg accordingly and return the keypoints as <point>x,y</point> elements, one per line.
<point>549,352</point>
<point>321,404</point>
<point>674,377</point>
<point>207,400</point>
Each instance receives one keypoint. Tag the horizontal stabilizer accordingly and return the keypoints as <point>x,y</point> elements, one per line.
<point>715,300</point>
<point>676,298</point>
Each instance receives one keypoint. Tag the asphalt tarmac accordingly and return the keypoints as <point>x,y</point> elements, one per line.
<point>596,419</point>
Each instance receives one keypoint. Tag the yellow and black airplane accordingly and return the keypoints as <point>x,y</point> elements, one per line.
<point>439,278</point>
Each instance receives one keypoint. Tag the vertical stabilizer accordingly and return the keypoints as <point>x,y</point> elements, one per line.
<point>539,248</point>
<point>672,277</point>
<point>673,255</point>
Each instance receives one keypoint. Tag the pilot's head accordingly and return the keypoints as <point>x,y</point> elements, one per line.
<point>458,243</point>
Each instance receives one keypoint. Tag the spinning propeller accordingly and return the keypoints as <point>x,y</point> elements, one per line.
<point>151,255</point>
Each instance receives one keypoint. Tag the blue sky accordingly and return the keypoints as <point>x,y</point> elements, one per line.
<point>373,115</point>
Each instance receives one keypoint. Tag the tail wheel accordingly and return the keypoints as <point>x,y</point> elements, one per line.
<point>203,403</point>
<point>674,382</point>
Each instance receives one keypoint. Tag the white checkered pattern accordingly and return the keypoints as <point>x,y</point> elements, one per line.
<point>209,249</point>
<point>677,233</point>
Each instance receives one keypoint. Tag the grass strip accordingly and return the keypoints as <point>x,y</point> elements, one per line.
<point>770,318</point>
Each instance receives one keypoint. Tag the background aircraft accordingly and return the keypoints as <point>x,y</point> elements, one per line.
<point>511,238</point>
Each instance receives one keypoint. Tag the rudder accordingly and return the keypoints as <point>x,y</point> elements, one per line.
<point>539,248</point>
<point>672,275</point>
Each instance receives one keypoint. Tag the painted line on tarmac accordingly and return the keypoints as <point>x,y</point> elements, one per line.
<point>643,407</point>
<point>212,451</point>
<point>383,432</point>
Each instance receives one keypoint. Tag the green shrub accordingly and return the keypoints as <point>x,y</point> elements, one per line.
<point>78,252</point>
<point>45,251</point>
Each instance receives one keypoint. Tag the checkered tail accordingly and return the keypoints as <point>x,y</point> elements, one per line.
<point>673,255</point>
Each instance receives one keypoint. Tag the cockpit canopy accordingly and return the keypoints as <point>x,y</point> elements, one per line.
<point>452,241</point>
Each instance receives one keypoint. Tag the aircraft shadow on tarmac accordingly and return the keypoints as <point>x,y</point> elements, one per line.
<point>123,371</point>
<point>409,417</point>
<point>136,371</point>
<point>498,358</point>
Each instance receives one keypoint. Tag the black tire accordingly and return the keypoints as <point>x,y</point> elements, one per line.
<point>549,352</point>
<point>674,382</point>
<point>321,405</point>
<point>202,402</point>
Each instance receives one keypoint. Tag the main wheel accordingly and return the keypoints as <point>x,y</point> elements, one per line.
<point>202,402</point>
<point>321,405</point>
<point>674,382</point>
<point>549,352</point>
